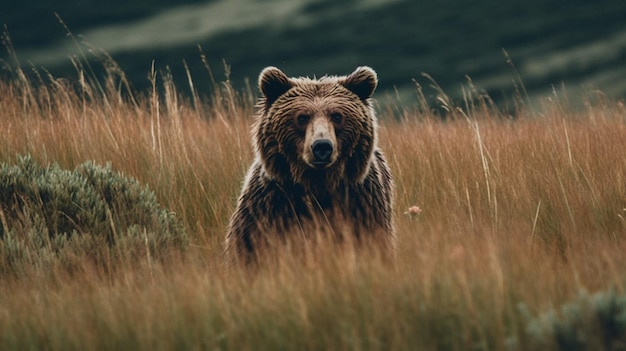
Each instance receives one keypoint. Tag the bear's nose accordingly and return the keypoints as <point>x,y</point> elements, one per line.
<point>322,149</point>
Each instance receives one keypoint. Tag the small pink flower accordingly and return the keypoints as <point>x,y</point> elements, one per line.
<point>413,211</point>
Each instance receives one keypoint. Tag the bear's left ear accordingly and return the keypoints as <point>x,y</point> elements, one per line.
<point>362,82</point>
<point>273,83</point>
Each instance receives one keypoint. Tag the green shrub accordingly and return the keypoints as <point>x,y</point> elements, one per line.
<point>51,215</point>
<point>592,322</point>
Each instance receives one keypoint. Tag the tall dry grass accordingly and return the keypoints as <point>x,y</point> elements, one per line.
<point>519,216</point>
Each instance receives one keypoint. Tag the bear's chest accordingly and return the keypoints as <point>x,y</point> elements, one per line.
<point>321,209</point>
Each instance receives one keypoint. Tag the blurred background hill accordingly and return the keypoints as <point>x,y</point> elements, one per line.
<point>578,43</point>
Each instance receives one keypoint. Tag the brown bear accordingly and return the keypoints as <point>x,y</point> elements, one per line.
<point>317,165</point>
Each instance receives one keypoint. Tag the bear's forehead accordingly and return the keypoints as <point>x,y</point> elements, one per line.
<point>321,94</point>
<point>312,103</point>
<point>319,87</point>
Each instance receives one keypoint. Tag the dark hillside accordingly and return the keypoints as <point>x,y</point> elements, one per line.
<point>579,43</point>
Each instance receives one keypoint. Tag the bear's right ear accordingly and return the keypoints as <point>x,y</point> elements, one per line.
<point>273,83</point>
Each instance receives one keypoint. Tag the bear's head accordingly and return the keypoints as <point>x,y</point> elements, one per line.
<point>316,132</point>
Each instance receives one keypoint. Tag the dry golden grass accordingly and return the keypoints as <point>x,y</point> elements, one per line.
<point>519,215</point>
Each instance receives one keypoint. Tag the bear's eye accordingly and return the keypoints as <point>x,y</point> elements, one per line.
<point>303,119</point>
<point>337,118</point>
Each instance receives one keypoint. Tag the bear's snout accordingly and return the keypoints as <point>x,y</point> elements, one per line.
<point>322,150</point>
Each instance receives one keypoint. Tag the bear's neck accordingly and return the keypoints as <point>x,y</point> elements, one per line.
<point>323,195</point>
<point>319,183</point>
<point>322,184</point>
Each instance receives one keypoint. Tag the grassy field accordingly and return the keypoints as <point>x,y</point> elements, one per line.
<point>519,245</point>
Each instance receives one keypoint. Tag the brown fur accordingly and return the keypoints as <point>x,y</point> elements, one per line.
<point>286,194</point>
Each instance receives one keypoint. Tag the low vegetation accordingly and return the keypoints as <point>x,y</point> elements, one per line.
<point>51,216</point>
<point>511,227</point>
